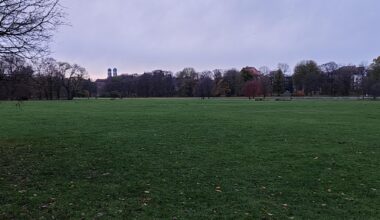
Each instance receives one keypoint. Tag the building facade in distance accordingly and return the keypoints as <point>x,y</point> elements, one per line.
<point>101,83</point>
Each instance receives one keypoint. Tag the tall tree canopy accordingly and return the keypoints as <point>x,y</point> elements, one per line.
<point>373,80</point>
<point>279,82</point>
<point>307,76</point>
<point>375,70</point>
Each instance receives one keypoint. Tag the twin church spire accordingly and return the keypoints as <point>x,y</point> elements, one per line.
<point>112,72</point>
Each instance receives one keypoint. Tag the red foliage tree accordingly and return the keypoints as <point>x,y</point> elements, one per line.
<point>252,88</point>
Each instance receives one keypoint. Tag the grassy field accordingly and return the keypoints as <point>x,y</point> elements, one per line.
<point>190,159</point>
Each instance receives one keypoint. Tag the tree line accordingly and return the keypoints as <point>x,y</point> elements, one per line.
<point>48,79</point>
<point>26,27</point>
<point>40,79</point>
<point>307,79</point>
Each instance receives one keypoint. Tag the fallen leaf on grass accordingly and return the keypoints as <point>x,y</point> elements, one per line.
<point>44,206</point>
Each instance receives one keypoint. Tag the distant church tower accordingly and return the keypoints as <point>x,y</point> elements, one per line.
<point>109,73</point>
<point>114,72</point>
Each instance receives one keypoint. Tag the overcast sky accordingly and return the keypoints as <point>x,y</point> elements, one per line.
<point>143,35</point>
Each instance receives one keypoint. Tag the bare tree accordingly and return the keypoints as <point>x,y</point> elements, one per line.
<point>204,85</point>
<point>71,77</point>
<point>26,26</point>
<point>266,85</point>
<point>278,82</point>
<point>47,77</point>
<point>264,70</point>
<point>329,67</point>
<point>218,82</point>
<point>187,80</point>
<point>283,67</point>
<point>329,71</point>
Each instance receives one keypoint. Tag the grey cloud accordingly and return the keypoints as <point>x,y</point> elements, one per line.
<point>142,35</point>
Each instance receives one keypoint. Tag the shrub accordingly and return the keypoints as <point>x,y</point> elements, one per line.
<point>375,90</point>
<point>115,94</point>
<point>300,94</point>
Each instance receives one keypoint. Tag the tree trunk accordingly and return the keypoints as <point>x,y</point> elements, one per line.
<point>58,93</point>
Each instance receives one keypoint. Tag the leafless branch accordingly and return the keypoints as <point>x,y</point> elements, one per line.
<point>27,26</point>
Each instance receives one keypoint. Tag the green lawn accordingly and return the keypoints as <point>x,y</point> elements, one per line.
<point>190,159</point>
